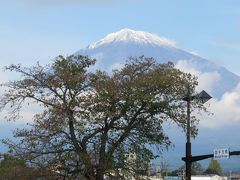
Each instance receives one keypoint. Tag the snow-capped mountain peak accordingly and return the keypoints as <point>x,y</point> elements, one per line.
<point>128,35</point>
<point>112,51</point>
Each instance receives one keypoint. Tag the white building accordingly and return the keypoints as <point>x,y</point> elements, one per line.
<point>213,177</point>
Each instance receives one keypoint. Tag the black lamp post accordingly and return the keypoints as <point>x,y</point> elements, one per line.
<point>203,97</point>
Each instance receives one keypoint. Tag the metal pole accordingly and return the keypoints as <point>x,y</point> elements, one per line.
<point>204,97</point>
<point>188,143</point>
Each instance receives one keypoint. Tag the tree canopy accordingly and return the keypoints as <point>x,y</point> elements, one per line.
<point>196,169</point>
<point>214,168</point>
<point>90,120</point>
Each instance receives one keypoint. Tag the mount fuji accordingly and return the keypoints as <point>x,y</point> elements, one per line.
<point>112,51</point>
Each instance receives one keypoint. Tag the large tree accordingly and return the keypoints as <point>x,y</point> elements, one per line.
<point>89,121</point>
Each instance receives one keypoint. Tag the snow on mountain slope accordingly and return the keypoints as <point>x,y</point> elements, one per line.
<point>113,50</point>
<point>128,35</point>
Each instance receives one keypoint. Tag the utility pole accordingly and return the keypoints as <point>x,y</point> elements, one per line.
<point>203,97</point>
<point>188,143</point>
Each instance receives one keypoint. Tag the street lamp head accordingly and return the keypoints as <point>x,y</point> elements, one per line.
<point>203,96</point>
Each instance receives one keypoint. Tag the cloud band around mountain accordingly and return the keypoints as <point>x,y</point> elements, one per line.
<point>226,109</point>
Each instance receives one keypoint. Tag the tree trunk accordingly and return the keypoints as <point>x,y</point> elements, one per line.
<point>102,156</point>
<point>100,174</point>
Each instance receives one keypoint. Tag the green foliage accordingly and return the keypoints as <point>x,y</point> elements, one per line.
<point>9,161</point>
<point>9,164</point>
<point>214,168</point>
<point>90,120</point>
<point>16,168</point>
<point>197,168</point>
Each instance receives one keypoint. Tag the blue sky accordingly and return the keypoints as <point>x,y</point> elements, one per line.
<point>31,30</point>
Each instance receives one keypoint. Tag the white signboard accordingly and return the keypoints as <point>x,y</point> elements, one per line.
<point>221,153</point>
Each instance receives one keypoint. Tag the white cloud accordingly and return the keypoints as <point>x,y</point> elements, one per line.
<point>186,67</point>
<point>226,110</point>
<point>116,66</point>
<point>194,53</point>
<point>206,80</point>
